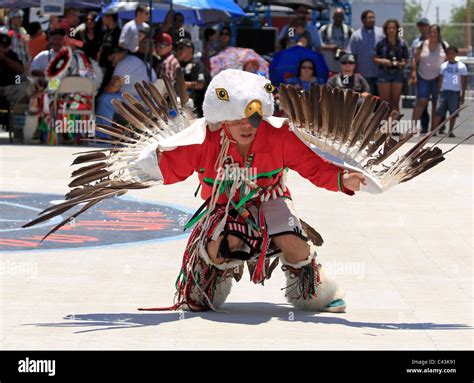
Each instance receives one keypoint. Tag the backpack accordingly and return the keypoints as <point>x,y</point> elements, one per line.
<point>444,44</point>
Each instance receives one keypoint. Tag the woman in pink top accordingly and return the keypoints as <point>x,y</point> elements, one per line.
<point>429,55</point>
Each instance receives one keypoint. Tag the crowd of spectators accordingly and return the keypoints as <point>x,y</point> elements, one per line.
<point>369,60</point>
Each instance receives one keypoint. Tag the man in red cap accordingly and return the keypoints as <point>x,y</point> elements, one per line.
<point>168,63</point>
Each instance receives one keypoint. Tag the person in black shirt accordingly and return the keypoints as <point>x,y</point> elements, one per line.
<point>196,75</point>
<point>177,27</point>
<point>11,69</point>
<point>391,55</point>
<point>180,32</point>
<point>91,36</point>
<point>109,47</point>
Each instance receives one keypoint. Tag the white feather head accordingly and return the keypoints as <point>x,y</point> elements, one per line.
<point>240,88</point>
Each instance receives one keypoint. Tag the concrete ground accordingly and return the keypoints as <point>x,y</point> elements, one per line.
<point>404,258</point>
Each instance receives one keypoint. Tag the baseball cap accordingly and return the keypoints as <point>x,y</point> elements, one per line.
<point>423,21</point>
<point>16,13</point>
<point>164,38</point>
<point>347,58</point>
<point>186,43</point>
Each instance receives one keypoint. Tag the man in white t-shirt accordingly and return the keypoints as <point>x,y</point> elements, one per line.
<point>133,68</point>
<point>452,83</point>
<point>129,37</point>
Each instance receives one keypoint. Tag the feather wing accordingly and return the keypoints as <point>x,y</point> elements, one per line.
<point>357,134</point>
<point>106,173</point>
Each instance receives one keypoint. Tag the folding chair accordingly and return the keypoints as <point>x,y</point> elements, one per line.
<point>76,85</point>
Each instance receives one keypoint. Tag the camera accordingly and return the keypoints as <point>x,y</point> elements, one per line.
<point>394,62</point>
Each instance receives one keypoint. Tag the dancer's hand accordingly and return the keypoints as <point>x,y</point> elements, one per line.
<point>352,181</point>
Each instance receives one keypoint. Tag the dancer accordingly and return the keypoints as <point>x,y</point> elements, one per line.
<point>242,154</point>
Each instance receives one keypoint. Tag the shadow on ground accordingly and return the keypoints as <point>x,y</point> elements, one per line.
<point>251,314</point>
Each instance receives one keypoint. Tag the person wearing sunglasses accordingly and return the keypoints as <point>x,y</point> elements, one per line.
<point>224,38</point>
<point>91,35</point>
<point>305,76</point>
<point>348,78</point>
<point>129,37</point>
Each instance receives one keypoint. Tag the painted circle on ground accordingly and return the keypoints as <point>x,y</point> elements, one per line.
<point>115,221</point>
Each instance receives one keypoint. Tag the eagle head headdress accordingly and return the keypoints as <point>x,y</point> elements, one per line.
<point>234,94</point>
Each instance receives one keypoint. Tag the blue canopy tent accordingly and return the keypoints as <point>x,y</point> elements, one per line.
<point>286,63</point>
<point>199,12</point>
<point>17,4</point>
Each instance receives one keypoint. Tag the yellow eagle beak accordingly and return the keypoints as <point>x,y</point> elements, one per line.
<point>254,113</point>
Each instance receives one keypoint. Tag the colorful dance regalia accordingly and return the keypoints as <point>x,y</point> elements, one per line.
<point>246,198</point>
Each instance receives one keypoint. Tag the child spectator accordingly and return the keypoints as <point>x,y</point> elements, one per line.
<point>453,84</point>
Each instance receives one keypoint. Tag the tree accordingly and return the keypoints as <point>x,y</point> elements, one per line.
<point>412,11</point>
<point>454,32</point>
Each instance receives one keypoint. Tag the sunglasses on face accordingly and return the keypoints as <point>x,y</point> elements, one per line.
<point>163,45</point>
<point>307,67</point>
<point>225,34</point>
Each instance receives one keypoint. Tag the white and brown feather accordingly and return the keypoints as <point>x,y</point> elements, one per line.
<point>332,121</point>
<point>107,173</point>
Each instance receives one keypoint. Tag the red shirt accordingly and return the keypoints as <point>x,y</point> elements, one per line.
<point>274,149</point>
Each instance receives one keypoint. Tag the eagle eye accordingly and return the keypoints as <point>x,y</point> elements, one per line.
<point>269,87</point>
<point>222,94</point>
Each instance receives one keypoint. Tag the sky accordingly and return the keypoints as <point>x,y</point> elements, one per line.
<point>444,8</point>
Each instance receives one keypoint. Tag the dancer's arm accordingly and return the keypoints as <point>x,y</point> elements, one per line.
<point>178,164</point>
<point>300,158</point>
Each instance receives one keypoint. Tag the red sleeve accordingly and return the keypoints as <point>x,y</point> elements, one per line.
<point>178,164</point>
<point>300,158</point>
